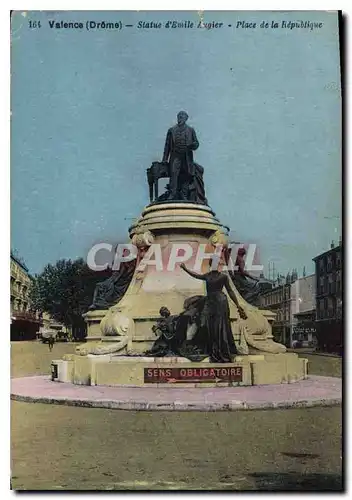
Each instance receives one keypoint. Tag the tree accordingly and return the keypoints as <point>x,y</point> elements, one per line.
<point>65,291</point>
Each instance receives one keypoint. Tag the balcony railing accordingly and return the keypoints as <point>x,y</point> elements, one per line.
<point>24,316</point>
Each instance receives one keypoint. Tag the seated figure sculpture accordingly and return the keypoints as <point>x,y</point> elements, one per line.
<point>173,331</point>
<point>250,287</point>
<point>167,343</point>
<point>246,284</point>
<point>111,290</point>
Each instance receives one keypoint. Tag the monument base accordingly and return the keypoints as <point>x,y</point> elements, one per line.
<point>142,371</point>
<point>93,320</point>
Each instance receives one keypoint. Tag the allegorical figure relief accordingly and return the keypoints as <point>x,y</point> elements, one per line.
<point>215,329</point>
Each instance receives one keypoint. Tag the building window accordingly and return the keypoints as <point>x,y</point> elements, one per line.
<point>331,283</point>
<point>338,308</point>
<point>338,282</point>
<point>331,307</point>
<point>338,260</point>
<point>329,264</point>
<point>321,285</point>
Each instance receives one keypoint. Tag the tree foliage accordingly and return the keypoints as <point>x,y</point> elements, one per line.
<point>65,291</point>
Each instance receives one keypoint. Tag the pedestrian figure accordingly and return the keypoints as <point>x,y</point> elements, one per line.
<point>51,342</point>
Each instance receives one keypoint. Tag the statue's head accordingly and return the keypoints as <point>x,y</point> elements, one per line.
<point>182,117</point>
<point>164,312</point>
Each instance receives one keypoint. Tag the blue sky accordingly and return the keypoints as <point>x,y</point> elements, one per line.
<point>90,111</point>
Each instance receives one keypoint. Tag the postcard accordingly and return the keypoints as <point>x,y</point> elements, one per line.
<point>176,250</point>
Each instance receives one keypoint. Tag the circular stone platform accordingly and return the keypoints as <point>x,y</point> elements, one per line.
<point>313,391</point>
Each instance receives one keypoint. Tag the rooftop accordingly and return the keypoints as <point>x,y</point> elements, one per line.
<point>20,262</point>
<point>334,249</point>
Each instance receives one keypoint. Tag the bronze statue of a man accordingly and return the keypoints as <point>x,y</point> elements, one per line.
<point>181,141</point>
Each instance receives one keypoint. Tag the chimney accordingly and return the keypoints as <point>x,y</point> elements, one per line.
<point>340,241</point>
<point>332,244</point>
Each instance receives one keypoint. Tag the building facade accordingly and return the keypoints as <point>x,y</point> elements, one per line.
<point>278,300</point>
<point>302,320</point>
<point>293,301</point>
<point>24,322</point>
<point>328,270</point>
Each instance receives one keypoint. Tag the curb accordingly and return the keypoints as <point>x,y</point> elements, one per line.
<point>179,406</point>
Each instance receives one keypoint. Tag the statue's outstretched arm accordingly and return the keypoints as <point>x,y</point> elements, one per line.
<point>192,273</point>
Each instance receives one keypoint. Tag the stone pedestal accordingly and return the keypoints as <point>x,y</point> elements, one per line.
<point>164,225</point>
<point>261,369</point>
<point>93,320</point>
<point>126,328</point>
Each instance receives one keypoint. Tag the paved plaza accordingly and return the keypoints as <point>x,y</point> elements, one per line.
<point>59,447</point>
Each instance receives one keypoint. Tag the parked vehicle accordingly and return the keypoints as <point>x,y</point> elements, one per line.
<point>58,335</point>
<point>62,336</point>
